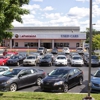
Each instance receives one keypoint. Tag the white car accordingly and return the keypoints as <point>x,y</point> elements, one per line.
<point>61,60</point>
<point>30,60</point>
<point>4,69</point>
<point>79,50</point>
<point>66,50</point>
<point>76,60</point>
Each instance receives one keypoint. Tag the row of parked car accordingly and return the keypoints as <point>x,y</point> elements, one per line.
<point>49,58</point>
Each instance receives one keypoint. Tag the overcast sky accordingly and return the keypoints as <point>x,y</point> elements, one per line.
<point>61,13</point>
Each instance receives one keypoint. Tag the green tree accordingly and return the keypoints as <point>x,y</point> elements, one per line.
<point>10,10</point>
<point>96,42</point>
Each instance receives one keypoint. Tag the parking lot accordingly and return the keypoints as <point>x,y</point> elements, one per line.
<point>77,89</point>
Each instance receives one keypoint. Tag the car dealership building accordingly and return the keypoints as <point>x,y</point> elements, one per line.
<point>49,37</point>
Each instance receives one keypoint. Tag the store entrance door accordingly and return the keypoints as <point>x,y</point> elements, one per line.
<point>47,45</point>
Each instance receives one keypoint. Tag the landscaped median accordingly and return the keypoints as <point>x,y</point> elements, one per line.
<point>44,96</point>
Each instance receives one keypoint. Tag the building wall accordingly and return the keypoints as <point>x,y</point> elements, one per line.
<point>47,35</point>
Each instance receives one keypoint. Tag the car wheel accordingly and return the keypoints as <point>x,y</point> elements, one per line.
<point>13,87</point>
<point>17,63</point>
<point>38,82</point>
<point>65,88</point>
<point>81,81</point>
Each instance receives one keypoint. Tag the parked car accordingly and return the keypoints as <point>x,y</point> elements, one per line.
<point>50,55</point>
<point>62,79</point>
<point>80,50</point>
<point>61,60</point>
<point>3,60</point>
<point>94,61</point>
<point>42,50</point>
<point>95,81</point>
<point>46,60</point>
<point>66,50</point>
<point>76,60</point>
<point>4,69</point>
<point>10,54</point>
<point>20,77</point>
<point>15,60</point>
<point>39,56</point>
<point>30,60</point>
<point>54,51</point>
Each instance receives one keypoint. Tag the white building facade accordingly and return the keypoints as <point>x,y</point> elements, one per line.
<point>49,37</point>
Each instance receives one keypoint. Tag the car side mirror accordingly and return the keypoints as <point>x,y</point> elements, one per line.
<point>92,75</point>
<point>20,75</point>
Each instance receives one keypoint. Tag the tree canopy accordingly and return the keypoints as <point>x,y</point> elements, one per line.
<point>10,10</point>
<point>96,41</point>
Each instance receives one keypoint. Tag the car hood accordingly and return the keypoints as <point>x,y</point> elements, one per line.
<point>4,78</point>
<point>13,59</point>
<point>29,59</point>
<point>52,79</point>
<point>95,79</point>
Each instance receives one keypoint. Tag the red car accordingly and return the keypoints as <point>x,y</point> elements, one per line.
<point>11,53</point>
<point>3,60</point>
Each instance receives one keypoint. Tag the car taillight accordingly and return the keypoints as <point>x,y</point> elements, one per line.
<point>44,73</point>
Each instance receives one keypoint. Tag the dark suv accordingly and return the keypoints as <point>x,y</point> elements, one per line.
<point>42,50</point>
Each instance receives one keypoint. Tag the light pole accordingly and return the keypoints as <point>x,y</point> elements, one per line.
<point>90,50</point>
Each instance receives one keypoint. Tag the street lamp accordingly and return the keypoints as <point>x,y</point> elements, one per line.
<point>90,50</point>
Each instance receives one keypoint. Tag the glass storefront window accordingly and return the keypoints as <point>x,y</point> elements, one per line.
<point>30,44</point>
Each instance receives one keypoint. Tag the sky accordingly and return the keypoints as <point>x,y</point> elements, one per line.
<point>61,13</point>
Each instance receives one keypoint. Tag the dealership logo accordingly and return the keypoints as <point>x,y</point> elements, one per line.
<point>16,35</point>
<point>28,35</point>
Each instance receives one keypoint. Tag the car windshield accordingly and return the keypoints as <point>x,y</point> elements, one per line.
<point>2,69</point>
<point>58,73</point>
<point>40,48</point>
<point>77,58</point>
<point>65,48</point>
<point>94,57</point>
<point>97,74</point>
<point>14,57</point>
<point>12,72</point>
<point>79,48</point>
<point>61,58</point>
<point>31,57</point>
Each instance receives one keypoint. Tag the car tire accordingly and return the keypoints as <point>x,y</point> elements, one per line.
<point>38,82</point>
<point>81,81</point>
<point>17,63</point>
<point>13,87</point>
<point>65,88</point>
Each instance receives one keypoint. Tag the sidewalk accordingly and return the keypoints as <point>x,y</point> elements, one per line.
<point>32,50</point>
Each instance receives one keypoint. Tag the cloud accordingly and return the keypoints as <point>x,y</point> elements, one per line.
<point>82,0</point>
<point>97,2</point>
<point>38,0</point>
<point>31,7</point>
<point>48,8</point>
<point>78,13</point>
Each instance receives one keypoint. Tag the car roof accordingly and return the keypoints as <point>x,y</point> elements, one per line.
<point>22,68</point>
<point>61,55</point>
<point>4,67</point>
<point>66,68</point>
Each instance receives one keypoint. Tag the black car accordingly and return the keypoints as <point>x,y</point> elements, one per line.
<point>62,79</point>
<point>15,60</point>
<point>54,51</point>
<point>20,77</point>
<point>46,60</point>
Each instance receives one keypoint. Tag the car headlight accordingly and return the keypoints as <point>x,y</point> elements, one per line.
<point>5,82</point>
<point>58,83</point>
